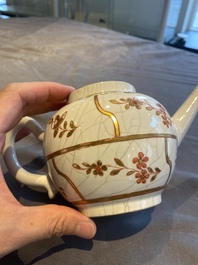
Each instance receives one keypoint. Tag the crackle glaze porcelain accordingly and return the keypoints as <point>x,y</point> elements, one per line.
<point>111,150</point>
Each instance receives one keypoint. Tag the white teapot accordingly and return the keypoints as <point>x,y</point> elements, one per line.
<point>109,151</point>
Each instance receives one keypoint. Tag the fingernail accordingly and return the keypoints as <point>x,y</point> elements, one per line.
<point>85,230</point>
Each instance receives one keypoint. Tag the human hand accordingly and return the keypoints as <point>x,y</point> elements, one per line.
<point>24,225</point>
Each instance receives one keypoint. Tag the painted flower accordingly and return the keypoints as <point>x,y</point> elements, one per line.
<point>166,121</point>
<point>56,122</point>
<point>163,113</point>
<point>99,168</point>
<point>140,161</point>
<point>142,176</point>
<point>133,102</point>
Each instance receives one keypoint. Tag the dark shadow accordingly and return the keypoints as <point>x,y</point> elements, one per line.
<point>122,225</point>
<point>11,259</point>
<point>19,190</point>
<point>35,165</point>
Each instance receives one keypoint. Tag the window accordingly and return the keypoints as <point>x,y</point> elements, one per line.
<point>193,25</point>
<point>173,15</point>
<point>183,15</point>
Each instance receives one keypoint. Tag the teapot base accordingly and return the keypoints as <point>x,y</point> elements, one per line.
<point>121,206</point>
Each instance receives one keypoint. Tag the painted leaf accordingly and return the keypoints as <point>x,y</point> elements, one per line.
<point>61,120</point>
<point>130,173</point>
<point>72,124</point>
<point>86,164</point>
<point>119,162</point>
<point>157,170</point>
<point>114,101</point>
<point>65,125</point>
<point>55,132</point>
<point>138,106</point>
<point>150,169</point>
<point>70,133</point>
<point>115,172</point>
<point>76,166</point>
<point>153,178</point>
<point>149,108</point>
<point>61,134</point>
<point>88,171</point>
<point>57,118</point>
<point>51,121</point>
<point>64,115</point>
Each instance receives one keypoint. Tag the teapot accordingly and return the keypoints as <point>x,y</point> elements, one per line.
<point>109,151</point>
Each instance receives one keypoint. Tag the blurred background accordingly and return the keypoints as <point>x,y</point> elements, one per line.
<point>173,22</point>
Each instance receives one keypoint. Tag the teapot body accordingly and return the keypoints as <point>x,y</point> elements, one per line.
<point>110,150</point>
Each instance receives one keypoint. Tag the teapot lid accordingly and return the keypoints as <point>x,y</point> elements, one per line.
<point>100,88</point>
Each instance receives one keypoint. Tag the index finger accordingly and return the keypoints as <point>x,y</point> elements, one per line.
<point>21,99</point>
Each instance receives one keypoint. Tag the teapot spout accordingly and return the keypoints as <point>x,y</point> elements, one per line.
<point>185,115</point>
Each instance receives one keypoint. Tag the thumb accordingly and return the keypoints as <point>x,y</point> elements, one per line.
<point>30,224</point>
<point>53,220</point>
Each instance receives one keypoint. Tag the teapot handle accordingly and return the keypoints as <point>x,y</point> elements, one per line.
<point>35,181</point>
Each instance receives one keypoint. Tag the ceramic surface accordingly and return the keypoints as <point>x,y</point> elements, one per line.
<point>111,150</point>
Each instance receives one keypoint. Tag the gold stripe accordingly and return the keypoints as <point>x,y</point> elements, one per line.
<point>120,196</point>
<point>68,180</point>
<point>110,115</point>
<point>109,141</point>
<point>168,161</point>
